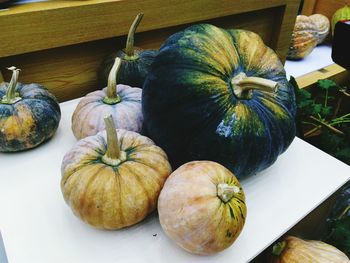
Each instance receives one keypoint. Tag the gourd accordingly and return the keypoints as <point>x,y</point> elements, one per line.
<point>29,115</point>
<point>121,101</point>
<point>202,207</point>
<point>304,38</point>
<point>322,24</point>
<point>338,222</point>
<point>296,250</point>
<point>219,95</point>
<point>135,61</point>
<point>340,15</point>
<point>113,179</point>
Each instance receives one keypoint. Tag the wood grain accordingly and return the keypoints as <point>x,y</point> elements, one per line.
<point>308,7</point>
<point>70,72</point>
<point>334,72</point>
<point>324,7</point>
<point>51,24</point>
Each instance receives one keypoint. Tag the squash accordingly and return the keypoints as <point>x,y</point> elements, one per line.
<point>340,15</point>
<point>29,115</point>
<point>296,250</point>
<point>112,180</point>
<point>219,95</point>
<point>323,26</point>
<point>304,38</point>
<point>121,101</point>
<point>136,62</point>
<point>338,222</point>
<point>202,207</point>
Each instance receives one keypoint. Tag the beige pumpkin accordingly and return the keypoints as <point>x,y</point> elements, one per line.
<point>304,38</point>
<point>296,250</point>
<point>323,26</point>
<point>112,181</point>
<point>121,101</point>
<point>202,207</point>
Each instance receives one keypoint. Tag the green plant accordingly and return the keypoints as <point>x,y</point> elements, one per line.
<point>325,117</point>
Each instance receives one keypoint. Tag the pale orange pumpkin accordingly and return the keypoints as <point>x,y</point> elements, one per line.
<point>202,207</point>
<point>296,250</point>
<point>121,101</point>
<point>323,26</point>
<point>110,186</point>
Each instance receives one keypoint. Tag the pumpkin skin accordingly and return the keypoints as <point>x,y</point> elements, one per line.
<point>304,38</point>
<point>126,111</point>
<point>136,62</point>
<point>113,196</point>
<point>340,15</point>
<point>191,112</point>
<point>297,250</point>
<point>192,213</point>
<point>338,222</point>
<point>31,120</point>
<point>323,26</point>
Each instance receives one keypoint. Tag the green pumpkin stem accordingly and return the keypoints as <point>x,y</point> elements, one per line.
<point>112,95</point>
<point>225,192</point>
<point>278,248</point>
<point>129,49</point>
<point>11,96</point>
<point>113,155</point>
<point>243,86</point>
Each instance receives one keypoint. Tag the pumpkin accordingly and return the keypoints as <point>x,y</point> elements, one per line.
<point>304,38</point>
<point>219,95</point>
<point>296,250</point>
<point>121,101</point>
<point>338,222</point>
<point>113,179</point>
<point>135,61</point>
<point>340,15</point>
<point>322,25</point>
<point>202,207</point>
<point>29,115</point>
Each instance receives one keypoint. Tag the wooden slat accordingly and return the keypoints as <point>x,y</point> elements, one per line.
<point>70,72</point>
<point>328,7</point>
<point>308,7</point>
<point>45,25</point>
<point>334,72</point>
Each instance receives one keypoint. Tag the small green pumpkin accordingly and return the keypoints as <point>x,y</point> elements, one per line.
<point>220,95</point>
<point>340,15</point>
<point>121,101</point>
<point>29,115</point>
<point>136,62</point>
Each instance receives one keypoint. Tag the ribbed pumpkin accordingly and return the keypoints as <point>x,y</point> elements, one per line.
<point>202,207</point>
<point>323,26</point>
<point>304,38</point>
<point>29,115</point>
<point>112,181</point>
<point>219,95</point>
<point>121,101</point>
<point>296,250</point>
<point>340,15</point>
<point>136,62</point>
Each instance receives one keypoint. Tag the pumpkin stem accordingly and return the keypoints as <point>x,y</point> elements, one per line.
<point>243,86</point>
<point>112,95</point>
<point>113,155</point>
<point>225,192</point>
<point>11,95</point>
<point>129,49</point>
<point>278,248</point>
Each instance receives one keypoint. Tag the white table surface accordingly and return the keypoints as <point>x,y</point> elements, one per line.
<point>37,225</point>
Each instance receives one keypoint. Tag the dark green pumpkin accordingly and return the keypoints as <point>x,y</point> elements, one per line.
<point>136,62</point>
<point>338,222</point>
<point>192,107</point>
<point>29,115</point>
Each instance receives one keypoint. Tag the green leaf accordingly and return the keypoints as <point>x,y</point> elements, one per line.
<point>317,108</point>
<point>327,84</point>
<point>326,111</point>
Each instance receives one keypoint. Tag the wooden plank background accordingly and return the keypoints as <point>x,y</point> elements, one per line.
<point>60,44</point>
